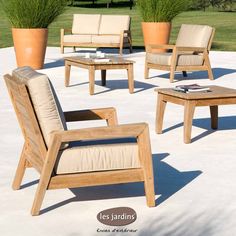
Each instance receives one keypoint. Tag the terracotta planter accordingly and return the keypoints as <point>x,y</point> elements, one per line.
<point>156,33</point>
<point>30,46</point>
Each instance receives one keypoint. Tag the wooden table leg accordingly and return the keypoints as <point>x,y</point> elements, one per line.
<point>161,105</point>
<point>91,79</point>
<point>103,75</point>
<point>214,117</point>
<point>189,108</point>
<point>130,78</point>
<point>67,73</point>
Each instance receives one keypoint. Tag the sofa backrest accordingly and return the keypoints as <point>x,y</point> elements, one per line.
<point>44,100</point>
<point>86,23</point>
<point>194,35</point>
<point>114,24</point>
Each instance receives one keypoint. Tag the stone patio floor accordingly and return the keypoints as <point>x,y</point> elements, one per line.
<point>195,183</point>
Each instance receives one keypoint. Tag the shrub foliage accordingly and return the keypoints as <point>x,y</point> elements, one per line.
<point>161,10</point>
<point>32,13</point>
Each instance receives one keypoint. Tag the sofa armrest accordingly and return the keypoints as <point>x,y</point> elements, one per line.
<point>63,31</point>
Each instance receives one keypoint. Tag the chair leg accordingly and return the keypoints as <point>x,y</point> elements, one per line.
<point>210,74</point>
<point>62,49</point>
<point>172,75</point>
<point>185,74</point>
<point>130,48</point>
<point>45,175</point>
<point>209,70</point>
<point>20,171</point>
<point>121,51</point>
<point>146,161</point>
<point>74,49</point>
<point>146,71</point>
<point>149,189</point>
<point>42,187</point>
<point>39,196</point>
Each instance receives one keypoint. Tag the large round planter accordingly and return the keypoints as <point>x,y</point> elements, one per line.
<point>30,46</point>
<point>156,33</point>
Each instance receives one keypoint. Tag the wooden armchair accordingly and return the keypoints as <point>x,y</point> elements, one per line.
<point>189,54</point>
<point>49,147</point>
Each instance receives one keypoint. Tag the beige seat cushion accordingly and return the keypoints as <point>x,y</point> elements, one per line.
<point>194,35</point>
<point>114,24</point>
<point>183,60</point>
<point>97,158</point>
<point>44,99</point>
<point>100,39</point>
<point>86,23</point>
<point>82,38</point>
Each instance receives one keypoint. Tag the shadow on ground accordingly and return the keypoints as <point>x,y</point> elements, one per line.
<point>81,51</point>
<point>168,181</point>
<point>224,123</point>
<point>217,72</point>
<point>119,84</point>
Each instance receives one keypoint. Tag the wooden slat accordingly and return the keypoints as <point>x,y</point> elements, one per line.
<point>215,102</point>
<point>96,178</point>
<point>26,116</point>
<point>19,100</point>
<point>190,68</point>
<point>173,100</point>
<point>35,161</point>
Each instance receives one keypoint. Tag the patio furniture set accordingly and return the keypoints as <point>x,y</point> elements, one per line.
<point>103,155</point>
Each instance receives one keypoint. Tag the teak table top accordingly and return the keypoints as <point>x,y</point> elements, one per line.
<point>114,60</point>
<point>215,92</point>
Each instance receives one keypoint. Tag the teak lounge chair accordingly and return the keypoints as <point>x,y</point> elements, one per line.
<point>50,148</point>
<point>189,54</point>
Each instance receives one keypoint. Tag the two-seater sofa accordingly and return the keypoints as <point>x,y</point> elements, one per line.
<point>95,30</point>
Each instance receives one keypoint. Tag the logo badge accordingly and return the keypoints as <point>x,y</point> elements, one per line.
<point>118,216</point>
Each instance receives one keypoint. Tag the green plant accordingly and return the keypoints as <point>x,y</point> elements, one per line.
<point>32,13</point>
<point>161,10</point>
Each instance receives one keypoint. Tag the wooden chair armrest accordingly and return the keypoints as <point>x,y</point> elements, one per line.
<point>187,49</point>
<point>99,133</point>
<point>150,47</point>
<point>139,131</point>
<point>108,114</point>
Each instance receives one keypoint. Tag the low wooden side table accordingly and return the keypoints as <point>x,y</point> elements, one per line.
<point>91,65</point>
<point>217,96</point>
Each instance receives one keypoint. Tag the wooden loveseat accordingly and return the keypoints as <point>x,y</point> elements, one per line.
<point>97,30</point>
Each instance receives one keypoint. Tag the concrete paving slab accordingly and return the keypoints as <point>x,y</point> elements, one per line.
<point>195,183</point>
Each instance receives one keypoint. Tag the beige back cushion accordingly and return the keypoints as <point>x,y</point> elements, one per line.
<point>194,35</point>
<point>114,24</point>
<point>44,99</point>
<point>86,23</point>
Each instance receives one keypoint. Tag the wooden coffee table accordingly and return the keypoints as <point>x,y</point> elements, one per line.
<point>91,65</point>
<point>217,96</point>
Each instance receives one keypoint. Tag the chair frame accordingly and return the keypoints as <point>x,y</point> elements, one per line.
<point>36,154</point>
<point>175,52</point>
